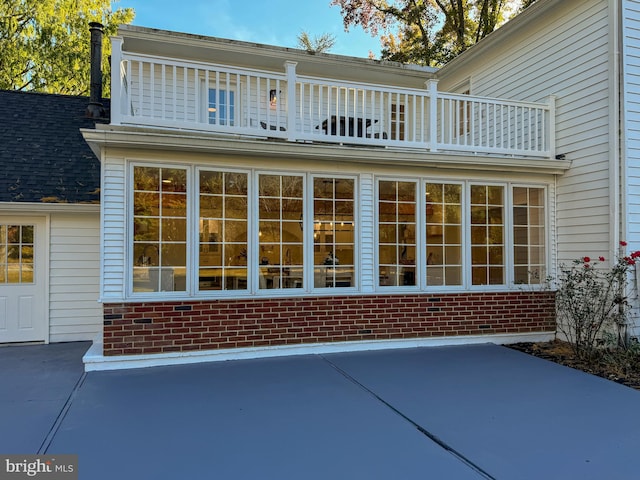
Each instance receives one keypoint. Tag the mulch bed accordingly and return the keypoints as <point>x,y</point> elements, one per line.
<point>623,369</point>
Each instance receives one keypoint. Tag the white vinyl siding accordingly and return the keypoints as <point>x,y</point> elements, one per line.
<point>74,277</point>
<point>367,236</point>
<point>113,229</point>
<point>563,52</point>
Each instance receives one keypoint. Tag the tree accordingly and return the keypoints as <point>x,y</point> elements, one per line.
<point>429,32</point>
<point>317,44</point>
<point>45,44</point>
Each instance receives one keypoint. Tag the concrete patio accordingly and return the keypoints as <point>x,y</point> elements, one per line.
<point>461,412</point>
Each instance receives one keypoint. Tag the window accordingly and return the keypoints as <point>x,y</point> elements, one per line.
<point>443,213</point>
<point>221,108</point>
<point>397,233</point>
<point>528,235</point>
<point>16,253</point>
<point>398,121</point>
<point>487,235</point>
<point>334,232</point>
<point>280,236</point>
<point>244,232</point>
<point>222,258</point>
<point>159,229</point>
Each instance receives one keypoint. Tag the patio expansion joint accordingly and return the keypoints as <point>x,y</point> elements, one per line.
<point>44,447</point>
<point>433,437</point>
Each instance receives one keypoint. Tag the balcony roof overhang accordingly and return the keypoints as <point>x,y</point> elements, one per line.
<point>152,139</point>
<point>185,46</point>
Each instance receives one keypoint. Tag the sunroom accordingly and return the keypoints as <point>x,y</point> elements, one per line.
<point>257,196</point>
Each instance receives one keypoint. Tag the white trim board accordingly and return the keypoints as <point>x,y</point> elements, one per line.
<point>94,360</point>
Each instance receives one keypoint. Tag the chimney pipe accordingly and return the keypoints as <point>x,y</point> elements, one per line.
<point>95,109</point>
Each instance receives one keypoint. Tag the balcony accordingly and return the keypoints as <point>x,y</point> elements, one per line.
<point>168,93</point>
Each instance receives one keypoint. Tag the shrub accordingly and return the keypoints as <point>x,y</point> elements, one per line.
<point>591,299</point>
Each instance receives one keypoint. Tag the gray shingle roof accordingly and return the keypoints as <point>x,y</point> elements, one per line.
<point>43,157</point>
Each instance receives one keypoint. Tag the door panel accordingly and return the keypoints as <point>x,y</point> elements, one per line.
<point>23,289</point>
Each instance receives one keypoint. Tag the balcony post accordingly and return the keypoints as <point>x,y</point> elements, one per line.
<point>290,68</point>
<point>552,127</point>
<point>116,81</point>
<point>432,86</point>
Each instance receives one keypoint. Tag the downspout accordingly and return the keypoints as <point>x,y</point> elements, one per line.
<point>617,149</point>
<point>617,227</point>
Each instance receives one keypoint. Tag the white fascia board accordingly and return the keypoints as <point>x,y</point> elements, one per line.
<point>150,139</point>
<point>22,207</point>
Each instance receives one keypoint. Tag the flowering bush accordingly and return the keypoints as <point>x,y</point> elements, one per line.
<point>591,299</point>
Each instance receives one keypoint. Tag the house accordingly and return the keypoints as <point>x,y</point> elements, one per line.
<point>49,220</point>
<point>586,54</point>
<point>259,200</point>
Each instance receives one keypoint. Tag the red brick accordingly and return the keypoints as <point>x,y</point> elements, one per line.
<point>211,324</point>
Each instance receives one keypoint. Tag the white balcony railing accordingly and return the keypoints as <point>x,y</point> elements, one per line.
<point>152,91</point>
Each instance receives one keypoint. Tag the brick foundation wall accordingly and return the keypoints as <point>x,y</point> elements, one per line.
<point>156,327</point>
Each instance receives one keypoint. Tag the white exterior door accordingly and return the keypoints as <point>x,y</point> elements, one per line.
<point>23,277</point>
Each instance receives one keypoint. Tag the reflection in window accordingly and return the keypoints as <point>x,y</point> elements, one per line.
<point>528,235</point>
<point>222,256</point>
<point>487,235</point>
<point>16,254</point>
<point>397,233</point>
<point>333,232</point>
<point>159,229</point>
<point>280,234</point>
<point>444,233</point>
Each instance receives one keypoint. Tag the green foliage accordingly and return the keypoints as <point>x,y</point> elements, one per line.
<point>428,32</point>
<point>317,44</point>
<point>45,44</point>
<point>592,301</point>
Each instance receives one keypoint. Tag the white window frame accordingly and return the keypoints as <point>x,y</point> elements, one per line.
<point>254,268</point>
<point>309,240</point>
<point>209,82</point>
<point>192,249</point>
<point>420,235</point>
<point>547,236</point>
<point>129,231</point>
<point>507,263</point>
<point>195,231</point>
<point>193,215</point>
<point>464,212</point>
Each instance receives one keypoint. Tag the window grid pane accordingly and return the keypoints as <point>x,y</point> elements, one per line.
<point>397,121</point>
<point>334,232</point>
<point>529,235</point>
<point>280,221</point>
<point>397,233</point>
<point>160,226</point>
<point>223,231</point>
<point>443,208</point>
<point>221,105</point>
<point>487,235</point>
<point>17,254</point>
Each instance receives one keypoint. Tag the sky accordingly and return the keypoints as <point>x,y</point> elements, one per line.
<point>273,22</point>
